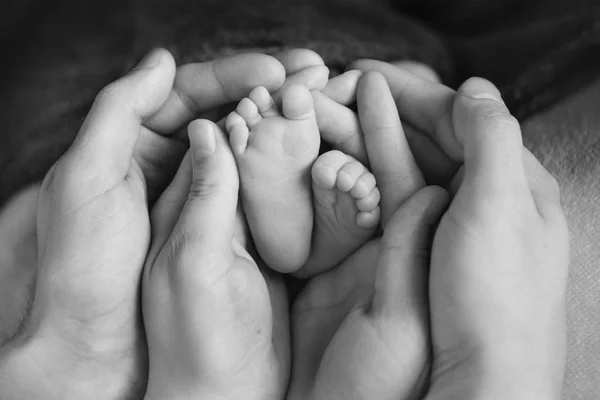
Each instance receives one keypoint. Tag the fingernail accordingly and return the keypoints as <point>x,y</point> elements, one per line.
<point>150,60</point>
<point>478,88</point>
<point>202,138</point>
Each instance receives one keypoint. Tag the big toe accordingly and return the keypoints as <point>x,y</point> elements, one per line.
<point>297,103</point>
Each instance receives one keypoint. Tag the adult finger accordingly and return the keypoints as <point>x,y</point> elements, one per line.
<point>491,139</point>
<point>419,69</point>
<point>304,67</point>
<point>342,88</point>
<point>434,163</point>
<point>391,160</point>
<point>168,207</point>
<point>403,266</point>
<point>106,142</point>
<point>294,60</point>
<point>207,220</point>
<point>339,126</point>
<point>200,87</point>
<point>424,104</point>
<point>313,78</point>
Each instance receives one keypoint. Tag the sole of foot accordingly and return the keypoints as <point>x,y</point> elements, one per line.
<point>274,150</point>
<point>346,201</point>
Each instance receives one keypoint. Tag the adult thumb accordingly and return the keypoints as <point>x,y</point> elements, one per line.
<point>106,141</point>
<point>491,138</point>
<point>403,267</point>
<point>208,216</point>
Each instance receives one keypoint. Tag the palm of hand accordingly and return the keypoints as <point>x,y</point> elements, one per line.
<point>335,330</point>
<point>94,290</point>
<point>234,312</point>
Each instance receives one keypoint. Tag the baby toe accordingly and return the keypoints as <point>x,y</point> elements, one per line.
<point>264,102</point>
<point>232,120</point>
<point>325,170</point>
<point>368,219</point>
<point>238,139</point>
<point>349,174</point>
<point>364,185</point>
<point>249,111</point>
<point>297,103</point>
<point>370,201</point>
<point>324,176</point>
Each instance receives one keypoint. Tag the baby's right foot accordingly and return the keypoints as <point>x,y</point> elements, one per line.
<point>274,152</point>
<point>346,202</point>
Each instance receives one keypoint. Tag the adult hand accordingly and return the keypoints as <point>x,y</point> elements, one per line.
<point>186,314</point>
<point>499,264</point>
<point>217,324</point>
<point>361,330</point>
<point>83,337</point>
<point>500,258</point>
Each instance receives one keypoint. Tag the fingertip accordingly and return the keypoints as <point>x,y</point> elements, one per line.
<point>296,59</point>
<point>202,139</point>
<point>342,88</point>
<point>361,64</point>
<point>489,135</point>
<point>158,60</point>
<point>268,67</point>
<point>373,78</point>
<point>439,196</point>
<point>481,89</point>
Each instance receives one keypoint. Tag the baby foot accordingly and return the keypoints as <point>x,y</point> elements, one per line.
<point>274,151</point>
<point>346,203</point>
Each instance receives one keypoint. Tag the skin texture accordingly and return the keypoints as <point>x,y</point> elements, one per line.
<point>98,196</point>
<point>544,185</point>
<point>360,330</point>
<point>217,324</point>
<point>501,196</point>
<point>196,89</point>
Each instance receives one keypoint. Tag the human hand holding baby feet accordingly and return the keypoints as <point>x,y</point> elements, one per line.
<point>360,331</point>
<point>94,230</point>
<point>92,226</point>
<point>216,323</point>
<point>500,256</point>
<point>499,264</point>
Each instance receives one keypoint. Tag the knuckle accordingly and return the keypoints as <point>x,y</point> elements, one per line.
<point>203,187</point>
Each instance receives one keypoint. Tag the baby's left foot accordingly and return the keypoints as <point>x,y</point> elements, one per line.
<point>346,202</point>
<point>274,151</point>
